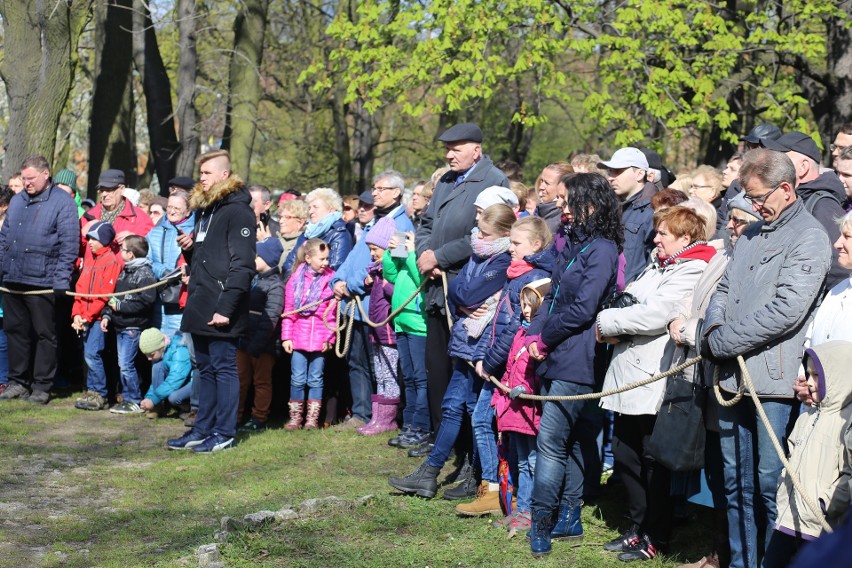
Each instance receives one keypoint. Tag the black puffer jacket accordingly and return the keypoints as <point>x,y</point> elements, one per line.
<point>134,310</point>
<point>822,198</point>
<point>266,300</point>
<point>221,260</point>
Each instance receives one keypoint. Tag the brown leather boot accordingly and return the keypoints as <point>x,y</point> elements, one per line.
<point>312,417</point>
<point>297,409</point>
<point>487,503</point>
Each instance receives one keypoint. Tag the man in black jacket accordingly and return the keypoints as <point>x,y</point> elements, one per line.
<point>220,254</point>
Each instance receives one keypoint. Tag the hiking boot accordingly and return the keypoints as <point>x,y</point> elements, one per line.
<point>568,525</point>
<point>14,390</point>
<point>422,450</point>
<point>541,525</point>
<point>641,549</point>
<point>39,397</point>
<point>415,438</point>
<point>190,419</point>
<point>126,407</point>
<point>253,425</point>
<point>709,561</point>
<point>349,423</point>
<point>90,401</point>
<point>189,440</point>
<point>487,503</point>
<point>423,481</point>
<point>312,414</point>
<point>404,433</point>
<point>465,490</point>
<point>215,443</point>
<point>297,410</point>
<point>624,542</point>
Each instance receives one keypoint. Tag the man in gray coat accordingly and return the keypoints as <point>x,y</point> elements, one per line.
<point>443,245</point>
<point>761,310</point>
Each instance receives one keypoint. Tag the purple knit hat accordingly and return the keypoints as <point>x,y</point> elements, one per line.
<point>381,233</point>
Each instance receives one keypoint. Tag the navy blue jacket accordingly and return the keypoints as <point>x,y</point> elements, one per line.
<point>337,237</point>
<point>638,219</point>
<point>40,239</point>
<point>266,300</point>
<point>479,280</point>
<point>565,322</point>
<point>497,339</point>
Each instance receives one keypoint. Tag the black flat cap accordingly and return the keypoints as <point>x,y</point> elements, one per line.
<point>464,132</point>
<point>794,142</point>
<point>761,131</point>
<point>182,182</point>
<point>366,197</point>
<point>111,179</point>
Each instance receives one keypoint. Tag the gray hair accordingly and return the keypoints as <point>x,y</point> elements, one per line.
<point>183,194</point>
<point>707,213</point>
<point>392,177</point>
<point>295,207</point>
<point>328,196</point>
<point>770,167</point>
<point>845,222</point>
<point>265,194</point>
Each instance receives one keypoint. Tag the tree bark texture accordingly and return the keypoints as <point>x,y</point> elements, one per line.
<point>244,84</point>
<point>39,59</point>
<point>187,115</point>
<point>111,134</point>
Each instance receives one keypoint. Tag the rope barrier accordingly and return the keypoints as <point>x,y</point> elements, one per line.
<point>86,295</point>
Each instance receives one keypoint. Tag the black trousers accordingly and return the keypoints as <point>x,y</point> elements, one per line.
<point>647,482</point>
<point>30,325</point>
<point>439,365</point>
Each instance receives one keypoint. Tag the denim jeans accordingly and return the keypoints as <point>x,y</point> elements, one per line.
<point>461,396</point>
<point>559,459</point>
<point>412,360</point>
<point>170,323</point>
<point>127,345</point>
<point>219,391</point>
<point>484,438</point>
<point>4,356</point>
<point>360,376</point>
<point>751,469</point>
<point>195,383</point>
<point>159,372</point>
<point>93,353</point>
<point>306,369</point>
<point>181,395</point>
<point>524,446</point>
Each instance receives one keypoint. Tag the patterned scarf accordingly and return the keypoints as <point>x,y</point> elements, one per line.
<point>487,249</point>
<point>313,292</point>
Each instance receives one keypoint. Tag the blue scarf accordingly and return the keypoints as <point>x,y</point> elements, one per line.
<point>313,292</point>
<point>313,230</point>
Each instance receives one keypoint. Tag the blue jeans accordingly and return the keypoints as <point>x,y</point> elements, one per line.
<point>360,376</point>
<point>178,396</point>
<point>93,353</point>
<point>170,323</point>
<point>461,396</point>
<point>219,391</point>
<point>306,369</point>
<point>559,459</point>
<point>412,359</point>
<point>524,447</point>
<point>484,438</point>
<point>4,356</point>
<point>127,345</point>
<point>195,383</point>
<point>751,469</point>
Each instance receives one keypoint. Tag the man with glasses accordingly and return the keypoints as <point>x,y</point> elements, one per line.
<point>761,311</point>
<point>627,173</point>
<point>348,281</point>
<point>115,209</point>
<point>842,141</point>
<point>39,240</point>
<point>821,192</point>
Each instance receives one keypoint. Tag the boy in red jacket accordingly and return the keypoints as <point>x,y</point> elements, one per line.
<point>97,276</point>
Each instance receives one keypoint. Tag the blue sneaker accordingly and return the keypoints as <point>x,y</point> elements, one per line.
<point>215,443</point>
<point>189,440</point>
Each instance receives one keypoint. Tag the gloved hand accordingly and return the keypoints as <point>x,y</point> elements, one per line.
<point>705,350</point>
<point>517,391</point>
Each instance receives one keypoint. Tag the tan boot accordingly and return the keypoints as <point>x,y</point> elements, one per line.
<point>312,417</point>
<point>297,409</point>
<point>486,503</point>
<point>709,561</point>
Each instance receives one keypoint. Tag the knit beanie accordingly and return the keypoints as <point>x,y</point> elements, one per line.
<point>66,177</point>
<point>495,195</point>
<point>150,340</point>
<point>102,232</point>
<point>270,250</point>
<point>381,232</point>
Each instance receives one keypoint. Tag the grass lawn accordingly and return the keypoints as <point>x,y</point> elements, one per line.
<point>85,489</point>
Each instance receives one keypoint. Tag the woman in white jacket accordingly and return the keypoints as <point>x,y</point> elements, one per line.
<point>642,349</point>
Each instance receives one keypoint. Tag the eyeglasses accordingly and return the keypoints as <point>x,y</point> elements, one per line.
<point>378,189</point>
<point>286,217</point>
<point>172,208</point>
<point>694,187</point>
<point>834,147</point>
<point>760,200</point>
<point>737,222</point>
<point>124,249</point>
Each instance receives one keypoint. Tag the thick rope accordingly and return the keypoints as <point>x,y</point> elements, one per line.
<point>341,348</point>
<point>309,306</point>
<point>84,295</point>
<point>394,313</point>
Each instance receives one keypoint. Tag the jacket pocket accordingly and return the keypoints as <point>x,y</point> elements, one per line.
<point>35,262</point>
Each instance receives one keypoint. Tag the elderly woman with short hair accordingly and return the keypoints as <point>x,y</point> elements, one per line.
<point>325,221</point>
<point>292,216</point>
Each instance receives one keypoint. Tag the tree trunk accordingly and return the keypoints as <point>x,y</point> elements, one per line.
<point>831,102</point>
<point>244,87</point>
<point>111,135</point>
<point>187,115</point>
<point>40,57</point>
<point>366,134</point>
<point>339,110</point>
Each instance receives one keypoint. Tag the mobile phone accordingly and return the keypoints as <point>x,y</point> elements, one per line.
<point>400,251</point>
<point>264,218</point>
<point>179,231</point>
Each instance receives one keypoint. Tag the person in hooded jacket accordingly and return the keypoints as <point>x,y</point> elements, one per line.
<point>220,254</point>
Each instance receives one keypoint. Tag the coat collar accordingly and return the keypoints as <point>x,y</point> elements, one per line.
<point>200,199</point>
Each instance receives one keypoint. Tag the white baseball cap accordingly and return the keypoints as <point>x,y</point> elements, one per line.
<point>628,157</point>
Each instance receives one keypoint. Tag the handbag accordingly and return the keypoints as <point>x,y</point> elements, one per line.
<point>677,441</point>
<point>619,300</point>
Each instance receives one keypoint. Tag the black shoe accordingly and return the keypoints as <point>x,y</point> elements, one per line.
<point>423,481</point>
<point>625,542</point>
<point>465,490</point>
<point>414,439</point>
<point>422,450</point>
<point>403,434</point>
<point>641,549</point>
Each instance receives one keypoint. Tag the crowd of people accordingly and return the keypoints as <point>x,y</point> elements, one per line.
<point>460,297</point>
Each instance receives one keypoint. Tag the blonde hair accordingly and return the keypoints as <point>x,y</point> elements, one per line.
<point>310,246</point>
<point>328,196</point>
<point>521,191</point>
<point>537,229</point>
<point>499,217</point>
<point>706,212</point>
<point>295,207</point>
<point>206,157</point>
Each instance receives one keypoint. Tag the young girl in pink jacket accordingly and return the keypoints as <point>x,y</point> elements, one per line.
<point>516,417</point>
<point>304,334</point>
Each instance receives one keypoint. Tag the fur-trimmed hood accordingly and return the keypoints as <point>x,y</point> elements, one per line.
<point>200,199</point>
